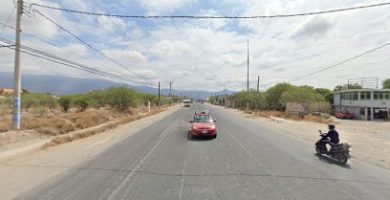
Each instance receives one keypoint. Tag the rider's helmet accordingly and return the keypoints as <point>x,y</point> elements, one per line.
<point>331,126</point>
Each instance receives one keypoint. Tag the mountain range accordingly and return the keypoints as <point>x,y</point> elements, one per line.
<point>68,85</point>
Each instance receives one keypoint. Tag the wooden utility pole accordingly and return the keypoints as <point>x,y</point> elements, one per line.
<point>17,73</point>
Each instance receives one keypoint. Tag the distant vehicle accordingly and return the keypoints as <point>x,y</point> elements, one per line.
<point>345,114</point>
<point>202,125</point>
<point>187,102</point>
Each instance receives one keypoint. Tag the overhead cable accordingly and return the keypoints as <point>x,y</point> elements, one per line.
<point>342,62</point>
<point>210,16</point>
<point>87,44</point>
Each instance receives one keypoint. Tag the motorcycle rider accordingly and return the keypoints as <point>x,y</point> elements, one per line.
<point>332,134</point>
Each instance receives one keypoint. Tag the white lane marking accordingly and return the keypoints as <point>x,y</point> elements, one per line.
<point>183,172</point>
<point>124,183</point>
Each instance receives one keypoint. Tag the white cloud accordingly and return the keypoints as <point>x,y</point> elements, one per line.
<point>164,6</point>
<point>211,54</point>
<point>125,56</point>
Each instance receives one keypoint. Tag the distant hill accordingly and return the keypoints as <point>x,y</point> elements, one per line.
<point>68,85</point>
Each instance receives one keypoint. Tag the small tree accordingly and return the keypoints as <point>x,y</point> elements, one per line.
<point>301,95</point>
<point>97,98</point>
<point>121,98</point>
<point>81,102</point>
<point>326,94</point>
<point>386,84</point>
<point>274,93</point>
<point>65,102</point>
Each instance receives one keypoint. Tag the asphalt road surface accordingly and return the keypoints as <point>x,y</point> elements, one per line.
<point>245,161</point>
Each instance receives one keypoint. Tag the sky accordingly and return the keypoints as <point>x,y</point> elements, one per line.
<point>206,54</point>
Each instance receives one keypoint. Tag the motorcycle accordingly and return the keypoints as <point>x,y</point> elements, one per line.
<point>337,152</point>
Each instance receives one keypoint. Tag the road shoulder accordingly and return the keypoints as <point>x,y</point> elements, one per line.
<point>23,172</point>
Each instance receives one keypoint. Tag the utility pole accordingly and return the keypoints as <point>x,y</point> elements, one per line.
<point>247,71</point>
<point>170,92</point>
<point>170,88</point>
<point>159,94</point>
<point>258,83</point>
<point>17,73</point>
<point>247,65</point>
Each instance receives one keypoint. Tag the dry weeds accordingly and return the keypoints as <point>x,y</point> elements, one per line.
<point>57,123</point>
<point>279,114</point>
<point>61,139</point>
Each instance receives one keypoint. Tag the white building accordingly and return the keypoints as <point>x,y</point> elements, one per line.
<point>365,104</point>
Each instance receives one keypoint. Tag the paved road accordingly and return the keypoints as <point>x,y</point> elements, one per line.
<point>246,161</point>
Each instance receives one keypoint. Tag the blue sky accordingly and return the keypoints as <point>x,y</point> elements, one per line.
<point>209,54</point>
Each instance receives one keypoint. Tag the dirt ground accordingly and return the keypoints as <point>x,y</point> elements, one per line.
<point>40,129</point>
<point>370,140</point>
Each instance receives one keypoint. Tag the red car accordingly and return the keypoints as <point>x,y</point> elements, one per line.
<point>203,125</point>
<point>345,114</point>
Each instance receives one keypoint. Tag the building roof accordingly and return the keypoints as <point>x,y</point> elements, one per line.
<point>362,90</point>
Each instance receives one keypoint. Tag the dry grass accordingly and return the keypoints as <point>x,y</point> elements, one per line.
<point>318,119</point>
<point>61,139</point>
<point>279,114</point>
<point>5,124</point>
<point>271,114</point>
<point>56,123</point>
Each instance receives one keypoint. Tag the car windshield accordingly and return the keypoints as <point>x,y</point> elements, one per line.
<point>202,119</point>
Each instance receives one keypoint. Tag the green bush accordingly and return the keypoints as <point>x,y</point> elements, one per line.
<point>81,102</point>
<point>40,111</point>
<point>121,98</point>
<point>30,100</point>
<point>301,95</point>
<point>255,100</point>
<point>273,95</point>
<point>97,98</point>
<point>386,84</point>
<point>275,98</point>
<point>65,102</point>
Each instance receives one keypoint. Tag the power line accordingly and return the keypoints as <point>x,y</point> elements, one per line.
<point>66,62</point>
<point>341,62</point>
<point>50,57</point>
<point>7,20</point>
<point>51,43</point>
<point>6,45</point>
<point>6,25</point>
<point>132,43</point>
<point>211,17</point>
<point>88,45</point>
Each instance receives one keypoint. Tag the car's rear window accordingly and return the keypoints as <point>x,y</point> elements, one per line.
<point>202,118</point>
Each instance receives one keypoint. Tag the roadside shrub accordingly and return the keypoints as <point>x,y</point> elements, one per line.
<point>5,105</point>
<point>40,111</point>
<point>65,102</point>
<point>121,98</point>
<point>97,98</point>
<point>30,100</point>
<point>274,93</point>
<point>81,102</point>
<point>149,97</point>
<point>255,100</point>
<point>301,95</point>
